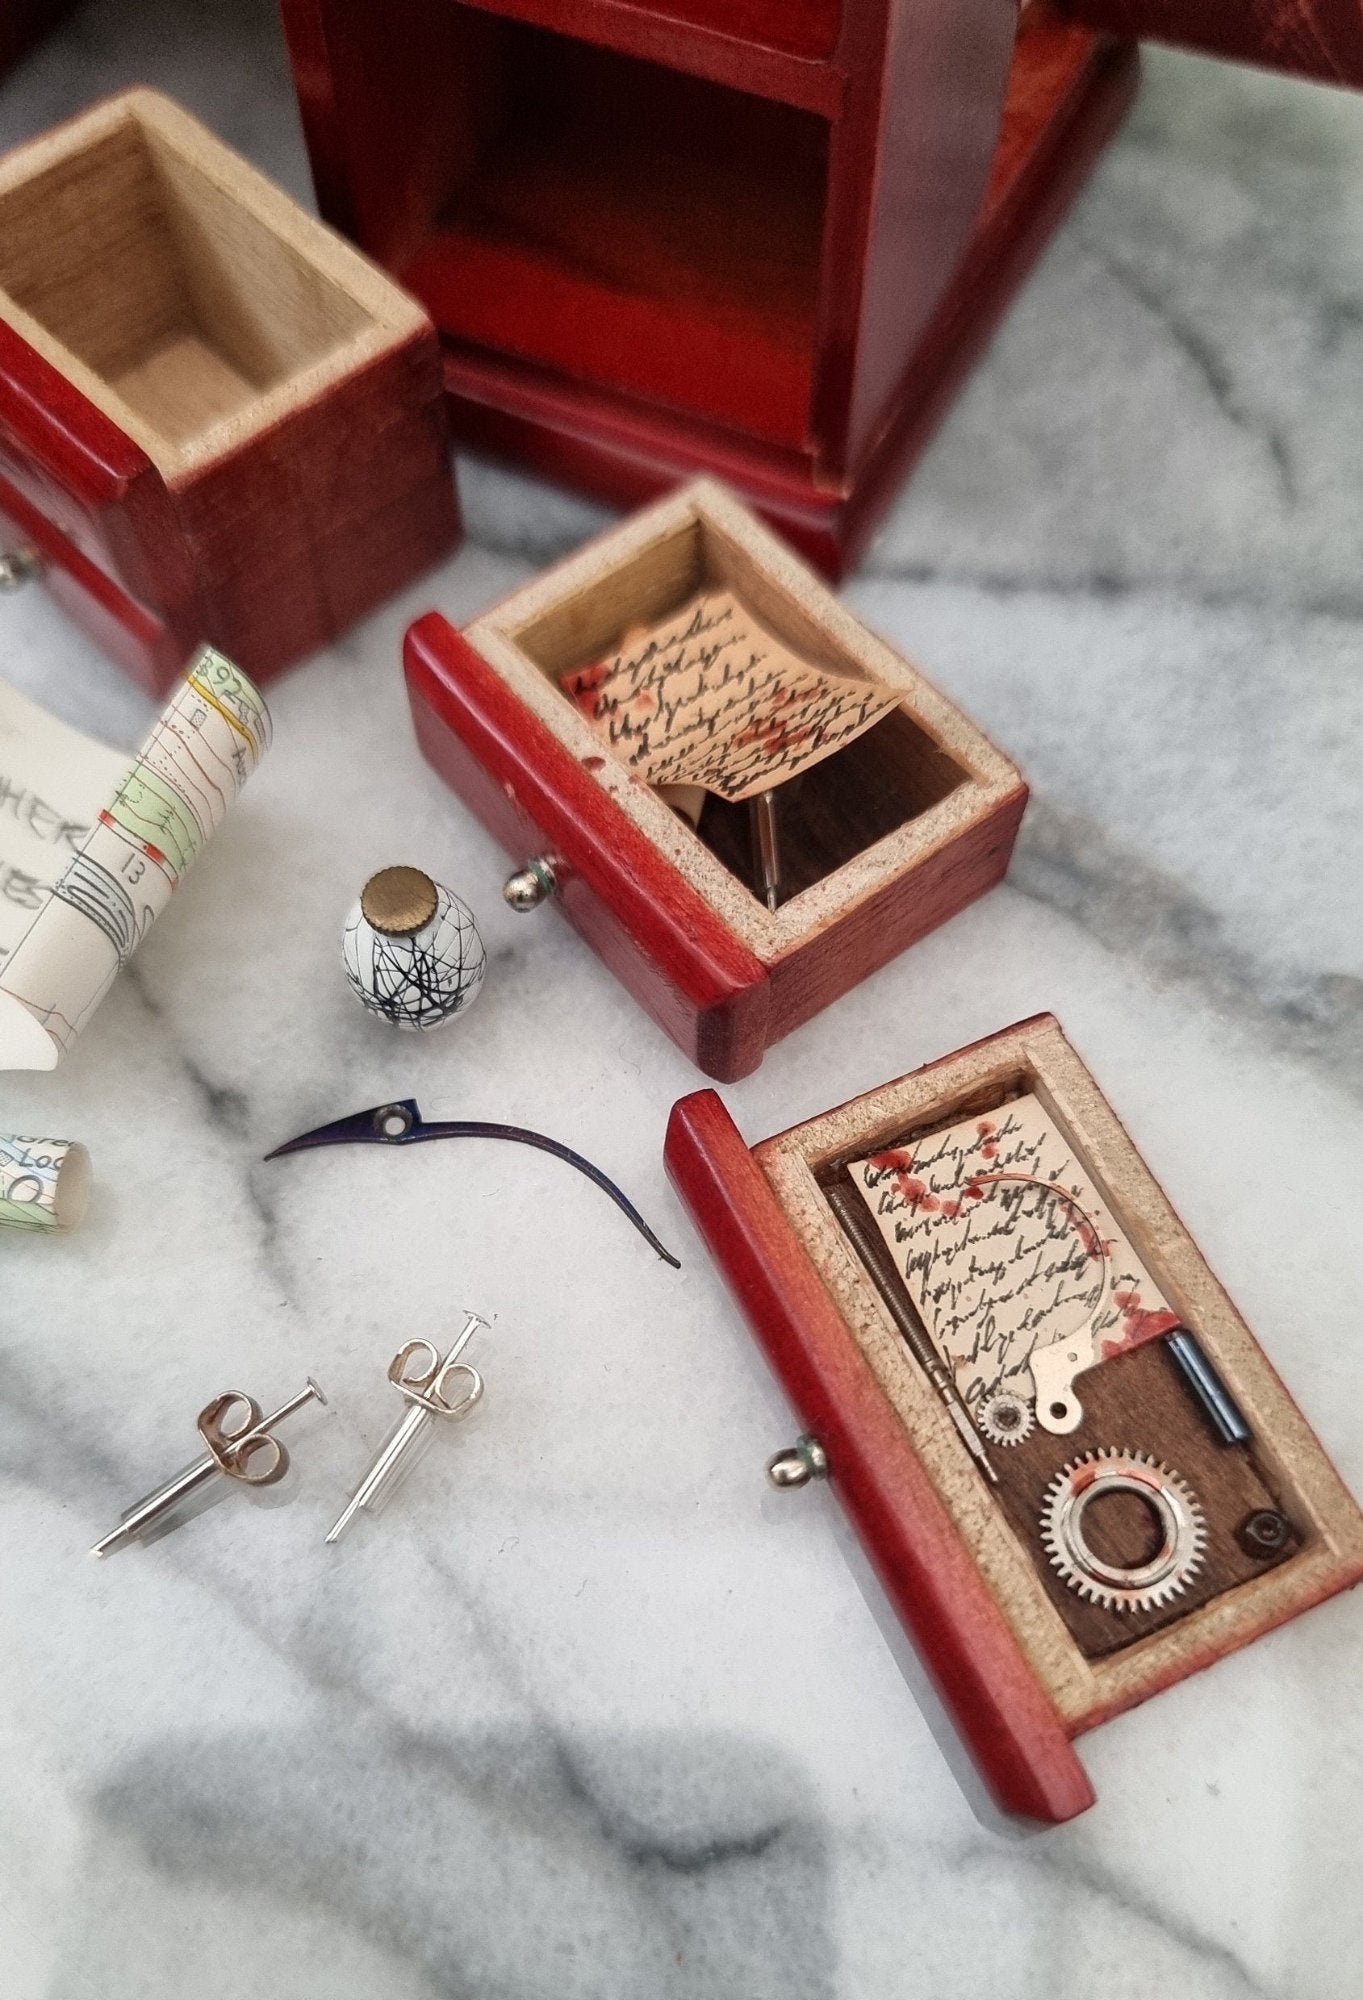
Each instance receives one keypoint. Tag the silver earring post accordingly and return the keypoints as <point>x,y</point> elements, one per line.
<point>422,1377</point>
<point>243,1449</point>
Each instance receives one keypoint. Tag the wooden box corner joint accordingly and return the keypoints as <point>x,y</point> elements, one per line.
<point>1022,1665</point>
<point>887,838</point>
<point>218,422</point>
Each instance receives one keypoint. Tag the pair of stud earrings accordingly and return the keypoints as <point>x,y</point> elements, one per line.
<point>239,1441</point>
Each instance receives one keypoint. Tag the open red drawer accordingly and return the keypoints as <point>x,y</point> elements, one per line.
<point>882,841</point>
<point>1025,1661</point>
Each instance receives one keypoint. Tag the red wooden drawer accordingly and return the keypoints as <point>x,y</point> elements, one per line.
<point>663,906</point>
<point>659,938</point>
<point>968,1582</point>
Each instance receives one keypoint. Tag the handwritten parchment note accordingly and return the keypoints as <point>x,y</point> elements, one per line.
<point>998,1267</point>
<point>711,698</point>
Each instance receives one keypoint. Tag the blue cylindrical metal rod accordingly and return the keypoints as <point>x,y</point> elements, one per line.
<point>1222,1411</point>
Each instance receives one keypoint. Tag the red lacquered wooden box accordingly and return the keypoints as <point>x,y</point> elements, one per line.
<point>1022,1665</point>
<point>882,842</point>
<point>217,421</point>
<point>760,238</point>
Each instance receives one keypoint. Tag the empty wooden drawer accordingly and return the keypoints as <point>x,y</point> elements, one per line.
<point>207,395</point>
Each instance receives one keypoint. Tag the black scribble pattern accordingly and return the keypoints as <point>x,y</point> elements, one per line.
<point>417,982</point>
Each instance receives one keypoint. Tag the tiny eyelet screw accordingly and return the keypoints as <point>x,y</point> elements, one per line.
<point>1265,1532</point>
<point>800,1462</point>
<point>530,886</point>
<point>18,567</point>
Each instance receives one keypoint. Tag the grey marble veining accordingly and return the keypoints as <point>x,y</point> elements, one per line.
<point>589,1712</point>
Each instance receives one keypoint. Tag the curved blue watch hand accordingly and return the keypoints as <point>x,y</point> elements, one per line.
<point>401,1124</point>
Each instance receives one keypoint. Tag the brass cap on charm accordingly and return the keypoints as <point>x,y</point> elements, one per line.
<point>398,901</point>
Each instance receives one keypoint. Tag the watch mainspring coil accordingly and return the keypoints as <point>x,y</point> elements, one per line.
<point>1006,1418</point>
<point>1116,1586</point>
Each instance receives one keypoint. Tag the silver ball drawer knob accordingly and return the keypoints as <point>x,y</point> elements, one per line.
<point>800,1462</point>
<point>412,950</point>
<point>18,567</point>
<point>530,886</point>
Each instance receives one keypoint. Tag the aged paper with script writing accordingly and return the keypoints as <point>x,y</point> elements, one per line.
<point>998,1265</point>
<point>710,697</point>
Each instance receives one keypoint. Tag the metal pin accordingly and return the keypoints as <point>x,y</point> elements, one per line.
<point>857,1222</point>
<point>245,1450</point>
<point>767,840</point>
<point>800,1462</point>
<point>425,1392</point>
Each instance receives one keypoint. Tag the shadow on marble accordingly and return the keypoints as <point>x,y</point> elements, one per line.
<point>348,1860</point>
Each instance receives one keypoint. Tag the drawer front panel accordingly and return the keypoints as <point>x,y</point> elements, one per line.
<point>89,480</point>
<point>144,644</point>
<point>701,985</point>
<point>929,1574</point>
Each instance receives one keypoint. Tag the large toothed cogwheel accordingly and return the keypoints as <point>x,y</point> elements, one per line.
<point>1006,1418</point>
<point>1143,1586</point>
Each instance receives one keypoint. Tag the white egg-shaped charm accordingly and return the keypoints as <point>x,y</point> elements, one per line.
<point>412,950</point>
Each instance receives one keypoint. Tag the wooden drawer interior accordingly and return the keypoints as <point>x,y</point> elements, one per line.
<point>1092,1660</point>
<point>864,814</point>
<point>188,299</point>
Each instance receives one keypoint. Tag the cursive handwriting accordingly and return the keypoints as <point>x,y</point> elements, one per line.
<point>709,697</point>
<point>1005,1246</point>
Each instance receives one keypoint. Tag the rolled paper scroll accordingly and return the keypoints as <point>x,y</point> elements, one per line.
<point>206,743</point>
<point>44,1183</point>
<point>53,781</point>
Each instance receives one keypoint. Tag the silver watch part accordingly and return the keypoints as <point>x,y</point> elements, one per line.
<point>1006,1418</point>
<point>1121,1587</point>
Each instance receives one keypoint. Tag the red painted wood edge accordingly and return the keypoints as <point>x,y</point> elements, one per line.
<point>1001,1709</point>
<point>1056,126</point>
<point>61,430</point>
<point>146,647</point>
<point>661,939</point>
<point>1315,38</point>
<point>651,34</point>
<point>314,63</point>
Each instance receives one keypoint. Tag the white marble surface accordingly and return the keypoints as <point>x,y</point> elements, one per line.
<point>591,1713</point>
